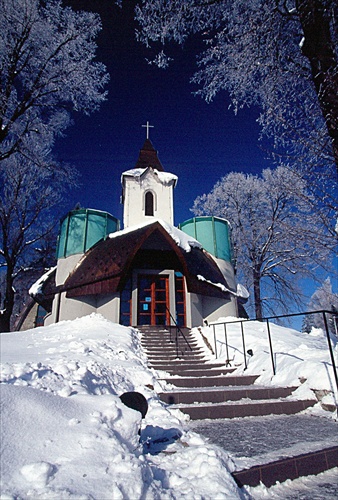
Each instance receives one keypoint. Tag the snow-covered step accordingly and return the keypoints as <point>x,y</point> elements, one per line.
<point>162,344</point>
<point>157,364</point>
<point>168,342</point>
<point>170,358</point>
<point>246,408</point>
<point>190,371</point>
<point>223,394</point>
<point>181,364</point>
<point>210,381</point>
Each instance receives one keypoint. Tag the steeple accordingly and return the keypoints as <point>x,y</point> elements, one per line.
<point>148,157</point>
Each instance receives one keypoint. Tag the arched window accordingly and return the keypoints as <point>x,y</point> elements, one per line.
<point>149,203</point>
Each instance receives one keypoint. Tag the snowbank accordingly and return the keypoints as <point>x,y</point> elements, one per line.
<point>66,434</point>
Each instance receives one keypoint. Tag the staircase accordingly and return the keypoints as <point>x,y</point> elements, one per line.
<point>209,390</point>
<point>206,390</point>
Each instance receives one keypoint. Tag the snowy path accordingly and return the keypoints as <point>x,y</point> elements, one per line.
<point>255,440</point>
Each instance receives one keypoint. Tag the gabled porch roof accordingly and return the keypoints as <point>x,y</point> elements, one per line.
<point>105,267</point>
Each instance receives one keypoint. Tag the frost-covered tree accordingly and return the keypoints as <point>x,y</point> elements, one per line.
<point>278,238</point>
<point>47,69</point>
<point>30,197</point>
<point>323,299</point>
<point>280,55</point>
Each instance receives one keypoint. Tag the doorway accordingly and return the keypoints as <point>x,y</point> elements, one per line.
<point>153,300</point>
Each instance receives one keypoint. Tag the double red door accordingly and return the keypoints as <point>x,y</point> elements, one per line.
<point>153,299</point>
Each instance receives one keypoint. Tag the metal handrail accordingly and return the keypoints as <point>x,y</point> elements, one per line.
<point>267,320</point>
<point>178,329</point>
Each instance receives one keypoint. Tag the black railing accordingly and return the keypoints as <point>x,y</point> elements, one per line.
<point>267,320</point>
<point>178,332</point>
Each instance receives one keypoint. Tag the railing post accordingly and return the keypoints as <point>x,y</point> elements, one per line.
<point>176,341</point>
<point>243,342</point>
<point>226,344</point>
<point>270,343</point>
<point>215,341</point>
<point>330,348</point>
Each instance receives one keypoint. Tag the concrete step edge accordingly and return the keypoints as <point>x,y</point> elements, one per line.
<point>200,382</point>
<point>238,409</point>
<point>188,366</point>
<point>224,395</point>
<point>171,349</point>
<point>199,373</point>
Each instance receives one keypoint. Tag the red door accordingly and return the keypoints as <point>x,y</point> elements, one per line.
<point>153,300</point>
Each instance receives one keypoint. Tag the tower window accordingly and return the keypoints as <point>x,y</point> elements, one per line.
<point>149,203</point>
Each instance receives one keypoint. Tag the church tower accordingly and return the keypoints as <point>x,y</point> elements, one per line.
<point>147,190</point>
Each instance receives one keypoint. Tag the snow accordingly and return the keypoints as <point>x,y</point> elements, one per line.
<point>241,291</point>
<point>300,359</point>
<point>164,177</point>
<point>182,239</point>
<point>66,434</point>
<point>36,288</point>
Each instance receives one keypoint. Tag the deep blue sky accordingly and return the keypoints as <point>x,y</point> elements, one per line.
<point>198,142</point>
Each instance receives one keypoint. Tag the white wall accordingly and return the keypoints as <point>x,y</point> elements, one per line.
<point>194,311</point>
<point>228,272</point>
<point>214,308</point>
<point>65,266</point>
<point>62,309</point>
<point>134,199</point>
<point>109,306</point>
<point>67,309</point>
<point>200,308</point>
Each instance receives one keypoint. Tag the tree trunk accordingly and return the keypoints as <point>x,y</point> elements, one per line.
<point>257,292</point>
<point>318,47</point>
<point>5,315</point>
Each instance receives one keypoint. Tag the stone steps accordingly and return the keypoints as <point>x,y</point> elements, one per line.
<point>206,390</point>
<point>190,366</point>
<point>210,381</point>
<point>244,408</point>
<point>172,348</point>
<point>188,372</point>
<point>163,365</point>
<point>209,391</point>
<point>222,395</point>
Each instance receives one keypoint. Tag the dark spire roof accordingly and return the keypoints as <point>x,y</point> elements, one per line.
<point>148,157</point>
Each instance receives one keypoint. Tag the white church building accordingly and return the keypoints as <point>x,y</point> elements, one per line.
<point>149,272</point>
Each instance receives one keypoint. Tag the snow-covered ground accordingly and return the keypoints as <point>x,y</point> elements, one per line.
<point>66,434</point>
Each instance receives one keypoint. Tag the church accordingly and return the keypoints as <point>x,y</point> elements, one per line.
<point>149,272</point>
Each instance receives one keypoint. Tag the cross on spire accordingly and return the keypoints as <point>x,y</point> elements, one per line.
<point>147,126</point>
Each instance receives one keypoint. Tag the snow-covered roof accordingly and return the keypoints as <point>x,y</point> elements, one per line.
<point>36,288</point>
<point>103,267</point>
<point>164,177</point>
<point>241,291</point>
<point>182,239</point>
